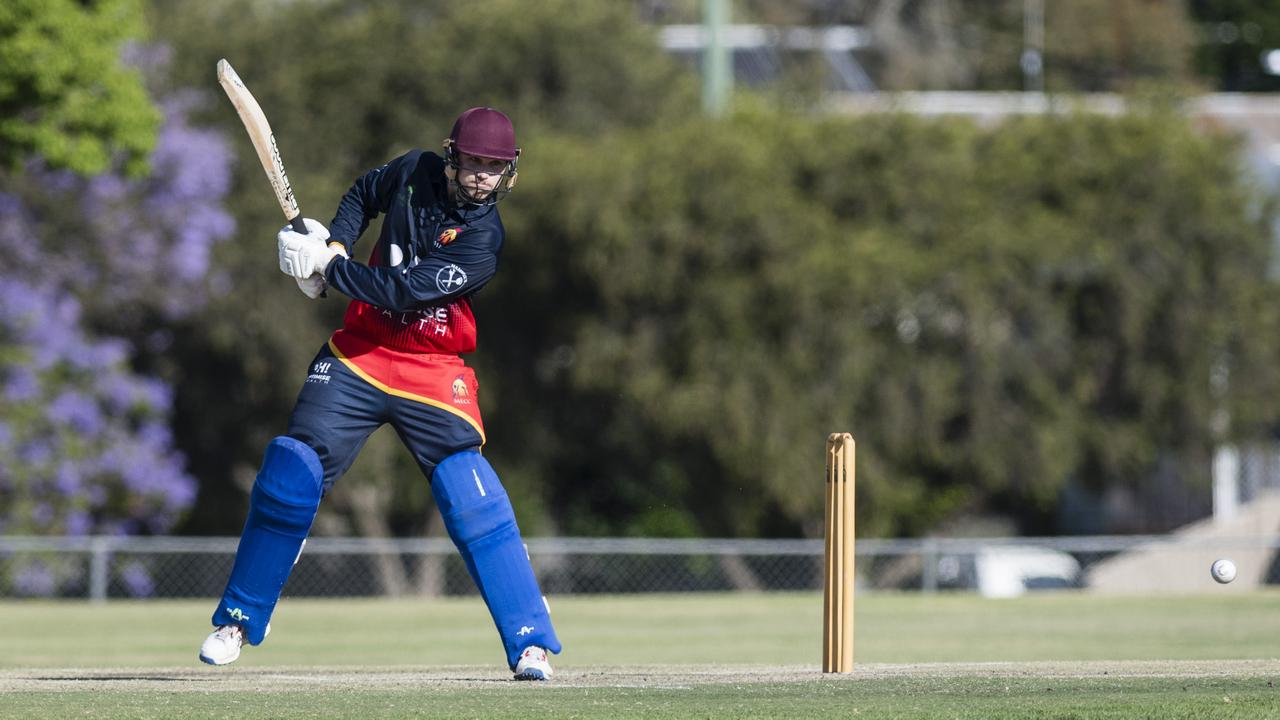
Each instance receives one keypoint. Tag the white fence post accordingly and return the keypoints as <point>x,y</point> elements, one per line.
<point>929,566</point>
<point>99,552</point>
<point>1226,483</point>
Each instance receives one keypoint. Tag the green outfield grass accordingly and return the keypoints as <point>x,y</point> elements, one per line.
<point>677,656</point>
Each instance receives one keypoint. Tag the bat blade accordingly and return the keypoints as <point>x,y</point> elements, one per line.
<point>264,141</point>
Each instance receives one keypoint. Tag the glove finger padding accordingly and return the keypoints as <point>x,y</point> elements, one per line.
<point>313,287</point>
<point>304,255</point>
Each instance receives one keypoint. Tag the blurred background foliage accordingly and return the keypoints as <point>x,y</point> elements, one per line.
<point>65,95</point>
<point>1007,317</point>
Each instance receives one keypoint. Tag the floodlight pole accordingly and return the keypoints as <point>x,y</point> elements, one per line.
<point>1033,45</point>
<point>717,67</point>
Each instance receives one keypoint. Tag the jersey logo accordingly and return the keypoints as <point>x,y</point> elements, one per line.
<point>447,236</point>
<point>450,278</point>
<point>460,392</point>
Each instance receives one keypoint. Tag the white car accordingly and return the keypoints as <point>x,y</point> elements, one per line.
<point>1009,570</point>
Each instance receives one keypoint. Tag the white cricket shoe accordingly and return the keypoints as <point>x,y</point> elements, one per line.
<point>222,647</point>
<point>533,664</point>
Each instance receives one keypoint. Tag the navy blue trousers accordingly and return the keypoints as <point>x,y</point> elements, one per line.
<point>337,411</point>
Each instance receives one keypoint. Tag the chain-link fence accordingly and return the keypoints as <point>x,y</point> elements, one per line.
<point>99,568</point>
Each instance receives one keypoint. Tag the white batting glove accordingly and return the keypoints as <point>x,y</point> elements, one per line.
<point>314,285</point>
<point>304,255</point>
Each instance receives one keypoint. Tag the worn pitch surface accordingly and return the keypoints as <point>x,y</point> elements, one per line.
<point>235,680</point>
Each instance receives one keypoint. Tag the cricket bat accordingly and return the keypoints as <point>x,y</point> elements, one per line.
<point>264,142</point>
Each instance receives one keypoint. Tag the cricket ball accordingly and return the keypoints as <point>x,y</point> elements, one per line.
<point>1223,570</point>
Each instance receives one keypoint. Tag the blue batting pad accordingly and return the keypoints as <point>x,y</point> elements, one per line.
<point>282,506</point>
<point>478,516</point>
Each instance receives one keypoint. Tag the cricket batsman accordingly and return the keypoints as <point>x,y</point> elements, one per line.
<point>397,360</point>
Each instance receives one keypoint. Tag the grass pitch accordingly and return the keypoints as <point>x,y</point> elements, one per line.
<point>673,656</point>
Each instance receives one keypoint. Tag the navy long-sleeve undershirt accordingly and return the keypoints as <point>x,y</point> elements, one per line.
<point>411,191</point>
<point>442,276</point>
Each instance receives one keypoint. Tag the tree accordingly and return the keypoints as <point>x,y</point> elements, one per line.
<point>996,314</point>
<point>65,95</point>
<point>99,272</point>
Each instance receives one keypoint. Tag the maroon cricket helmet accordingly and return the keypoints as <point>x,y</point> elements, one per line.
<point>485,132</point>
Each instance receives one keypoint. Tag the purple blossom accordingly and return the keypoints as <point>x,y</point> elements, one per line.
<point>10,209</point>
<point>137,581</point>
<point>44,321</point>
<point>180,489</point>
<point>36,452</point>
<point>157,395</point>
<point>155,436</point>
<point>58,181</point>
<point>111,460</point>
<point>34,580</point>
<point>139,479</point>
<point>77,523</point>
<point>105,352</point>
<point>102,190</point>
<point>25,306</point>
<point>119,392</point>
<point>21,385</point>
<point>76,410</point>
<point>67,479</point>
<point>16,231</point>
<point>113,528</point>
<point>42,514</point>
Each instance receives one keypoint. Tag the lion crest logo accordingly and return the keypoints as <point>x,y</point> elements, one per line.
<point>461,395</point>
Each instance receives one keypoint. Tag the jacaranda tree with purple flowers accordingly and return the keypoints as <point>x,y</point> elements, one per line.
<point>84,445</point>
<point>98,270</point>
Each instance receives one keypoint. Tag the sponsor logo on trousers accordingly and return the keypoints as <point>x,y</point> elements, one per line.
<point>319,373</point>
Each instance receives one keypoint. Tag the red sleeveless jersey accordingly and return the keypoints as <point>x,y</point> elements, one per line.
<point>414,354</point>
<point>448,328</point>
